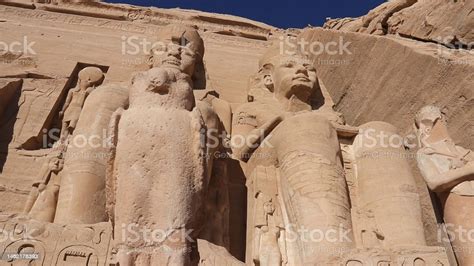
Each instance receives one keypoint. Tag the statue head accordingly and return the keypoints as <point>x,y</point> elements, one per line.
<point>430,125</point>
<point>290,76</point>
<point>180,47</point>
<point>426,118</point>
<point>286,76</point>
<point>90,77</point>
<point>269,207</point>
<point>56,164</point>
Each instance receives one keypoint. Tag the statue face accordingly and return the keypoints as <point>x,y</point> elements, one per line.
<point>90,76</point>
<point>293,76</point>
<point>426,125</point>
<point>178,47</point>
<point>176,55</point>
<point>268,207</point>
<point>427,118</point>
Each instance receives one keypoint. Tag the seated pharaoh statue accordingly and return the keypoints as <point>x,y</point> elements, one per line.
<point>291,141</point>
<point>448,170</point>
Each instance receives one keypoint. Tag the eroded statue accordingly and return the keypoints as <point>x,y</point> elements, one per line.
<point>448,170</point>
<point>158,183</point>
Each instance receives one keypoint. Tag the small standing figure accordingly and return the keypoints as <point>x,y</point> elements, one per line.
<point>269,245</point>
<point>88,79</point>
<point>42,200</point>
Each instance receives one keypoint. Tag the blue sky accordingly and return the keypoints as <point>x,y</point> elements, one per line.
<point>279,13</point>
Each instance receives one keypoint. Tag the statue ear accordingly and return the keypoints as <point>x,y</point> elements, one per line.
<point>268,82</point>
<point>267,70</point>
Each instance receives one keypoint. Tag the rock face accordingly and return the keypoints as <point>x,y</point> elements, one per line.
<point>147,136</point>
<point>440,21</point>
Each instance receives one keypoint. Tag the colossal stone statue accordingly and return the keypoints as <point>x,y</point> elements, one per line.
<point>183,46</point>
<point>88,79</point>
<point>285,129</point>
<point>448,170</point>
<point>158,184</point>
<point>160,179</point>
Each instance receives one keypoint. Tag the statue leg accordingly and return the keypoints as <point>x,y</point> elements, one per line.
<point>313,186</point>
<point>64,132</point>
<point>459,219</point>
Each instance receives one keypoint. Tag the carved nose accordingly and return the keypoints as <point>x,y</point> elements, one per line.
<point>302,70</point>
<point>175,52</point>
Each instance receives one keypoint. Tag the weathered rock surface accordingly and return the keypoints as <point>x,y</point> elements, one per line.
<point>390,78</point>
<point>442,21</point>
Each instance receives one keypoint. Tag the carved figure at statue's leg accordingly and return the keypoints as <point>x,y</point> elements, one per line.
<point>42,201</point>
<point>88,79</point>
<point>82,196</point>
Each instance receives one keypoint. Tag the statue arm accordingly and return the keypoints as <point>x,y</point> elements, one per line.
<point>112,135</point>
<point>253,137</point>
<point>447,180</point>
<point>442,181</point>
<point>224,112</point>
<point>256,245</point>
<point>282,244</point>
<point>68,101</point>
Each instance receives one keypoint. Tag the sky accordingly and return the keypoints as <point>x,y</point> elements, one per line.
<point>278,13</point>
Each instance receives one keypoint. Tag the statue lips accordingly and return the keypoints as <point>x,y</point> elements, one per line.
<point>301,77</point>
<point>172,61</point>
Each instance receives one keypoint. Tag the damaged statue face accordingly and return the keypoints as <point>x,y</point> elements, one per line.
<point>180,48</point>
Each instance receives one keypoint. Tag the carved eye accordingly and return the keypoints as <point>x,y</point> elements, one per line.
<point>184,41</point>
